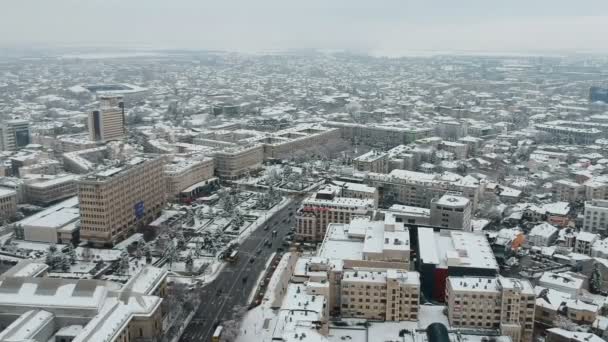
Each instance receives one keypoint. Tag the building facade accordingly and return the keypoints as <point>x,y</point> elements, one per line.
<point>108,123</point>
<point>315,214</point>
<point>596,216</point>
<point>185,173</point>
<point>115,202</point>
<point>14,134</point>
<point>391,295</point>
<point>451,211</point>
<point>506,304</point>
<point>8,203</point>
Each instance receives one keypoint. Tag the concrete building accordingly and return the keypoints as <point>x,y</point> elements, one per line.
<point>392,295</point>
<point>316,212</point>
<point>562,335</point>
<point>460,150</point>
<point>187,172</point>
<point>451,211</point>
<point>47,309</point>
<point>46,190</point>
<point>116,202</point>
<point>562,282</point>
<point>568,191</point>
<point>236,162</point>
<point>14,134</point>
<point>8,203</point>
<point>507,304</point>
<point>418,189</point>
<point>372,161</point>
<point>596,216</point>
<point>56,224</point>
<point>357,190</point>
<point>108,123</point>
<point>409,215</point>
<point>542,235</point>
<point>366,243</point>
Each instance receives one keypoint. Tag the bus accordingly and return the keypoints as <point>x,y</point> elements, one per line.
<point>217,334</point>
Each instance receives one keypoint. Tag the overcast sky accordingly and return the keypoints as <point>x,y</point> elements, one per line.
<point>380,26</point>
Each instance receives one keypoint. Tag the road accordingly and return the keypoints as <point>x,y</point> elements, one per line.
<point>232,287</point>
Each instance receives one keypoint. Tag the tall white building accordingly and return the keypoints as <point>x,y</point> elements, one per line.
<point>596,216</point>
<point>108,123</point>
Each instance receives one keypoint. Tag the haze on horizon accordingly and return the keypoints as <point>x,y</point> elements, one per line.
<point>389,27</point>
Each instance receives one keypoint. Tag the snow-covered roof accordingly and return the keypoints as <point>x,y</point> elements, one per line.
<point>544,230</point>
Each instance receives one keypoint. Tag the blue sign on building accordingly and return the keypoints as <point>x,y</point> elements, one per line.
<point>139,210</point>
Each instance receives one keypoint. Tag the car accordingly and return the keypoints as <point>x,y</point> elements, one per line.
<point>266,227</point>
<point>251,260</point>
<point>258,251</point>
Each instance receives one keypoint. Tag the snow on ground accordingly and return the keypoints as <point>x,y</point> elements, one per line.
<point>431,314</point>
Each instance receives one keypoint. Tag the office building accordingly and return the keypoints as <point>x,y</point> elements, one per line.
<point>45,190</point>
<point>185,173</point>
<point>236,162</point>
<point>506,304</point>
<point>451,211</point>
<point>116,202</point>
<point>108,122</point>
<point>596,216</point>
<point>14,134</point>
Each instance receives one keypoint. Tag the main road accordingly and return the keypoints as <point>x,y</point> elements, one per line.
<point>232,287</point>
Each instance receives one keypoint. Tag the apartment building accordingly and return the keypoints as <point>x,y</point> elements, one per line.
<point>372,161</point>
<point>542,235</point>
<point>507,304</point>
<point>236,162</point>
<point>418,189</point>
<point>187,172</point>
<point>459,150</point>
<point>117,201</point>
<point>584,242</point>
<point>46,190</point>
<point>451,211</point>
<point>108,123</point>
<point>317,212</point>
<point>8,203</point>
<point>391,295</point>
<point>596,216</point>
<point>568,191</point>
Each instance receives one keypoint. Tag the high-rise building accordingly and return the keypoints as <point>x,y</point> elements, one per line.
<point>108,123</point>
<point>501,303</point>
<point>115,202</point>
<point>14,134</point>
